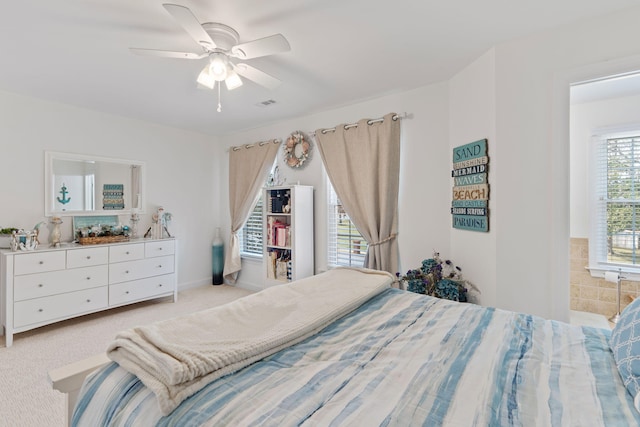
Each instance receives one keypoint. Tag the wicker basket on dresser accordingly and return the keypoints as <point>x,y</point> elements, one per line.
<point>53,284</point>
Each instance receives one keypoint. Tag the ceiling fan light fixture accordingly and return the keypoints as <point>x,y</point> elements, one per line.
<point>218,67</point>
<point>206,79</point>
<point>233,80</point>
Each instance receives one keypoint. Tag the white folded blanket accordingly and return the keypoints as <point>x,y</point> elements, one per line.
<point>177,357</point>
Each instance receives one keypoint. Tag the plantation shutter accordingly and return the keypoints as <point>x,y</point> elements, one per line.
<point>251,237</point>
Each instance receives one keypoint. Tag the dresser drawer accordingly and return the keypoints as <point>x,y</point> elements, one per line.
<point>119,253</point>
<point>39,262</point>
<point>87,257</point>
<point>159,248</point>
<point>123,293</point>
<point>55,282</point>
<point>41,310</point>
<point>134,270</point>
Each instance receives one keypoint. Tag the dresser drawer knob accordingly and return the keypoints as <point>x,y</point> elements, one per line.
<point>40,310</point>
<point>160,285</point>
<point>160,249</point>
<point>126,253</point>
<point>159,265</point>
<point>126,272</point>
<point>88,300</point>
<point>88,277</point>
<point>40,285</point>
<point>41,262</point>
<point>126,292</point>
<point>88,256</point>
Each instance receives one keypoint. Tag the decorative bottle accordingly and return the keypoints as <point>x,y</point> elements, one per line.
<point>56,233</point>
<point>218,258</point>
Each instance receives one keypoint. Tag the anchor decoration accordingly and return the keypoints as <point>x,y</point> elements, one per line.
<point>63,191</point>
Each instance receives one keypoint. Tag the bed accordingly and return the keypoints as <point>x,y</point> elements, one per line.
<point>391,358</point>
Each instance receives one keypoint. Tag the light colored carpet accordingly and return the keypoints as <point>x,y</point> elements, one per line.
<point>26,397</point>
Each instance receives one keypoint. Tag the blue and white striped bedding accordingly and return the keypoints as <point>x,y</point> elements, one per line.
<point>401,359</point>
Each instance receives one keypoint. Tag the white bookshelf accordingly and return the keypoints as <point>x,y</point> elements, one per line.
<point>288,233</point>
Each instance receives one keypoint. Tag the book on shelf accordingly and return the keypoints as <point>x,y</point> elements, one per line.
<point>271,266</point>
<point>278,233</point>
<point>283,236</point>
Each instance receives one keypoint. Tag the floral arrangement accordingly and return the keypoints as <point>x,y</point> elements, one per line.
<point>438,278</point>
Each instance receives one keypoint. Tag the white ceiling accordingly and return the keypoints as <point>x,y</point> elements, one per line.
<point>342,52</point>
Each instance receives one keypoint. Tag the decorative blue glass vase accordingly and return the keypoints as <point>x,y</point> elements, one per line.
<point>218,258</point>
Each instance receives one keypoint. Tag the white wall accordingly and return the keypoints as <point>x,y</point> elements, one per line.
<point>179,170</point>
<point>585,119</point>
<point>516,95</point>
<point>472,117</point>
<point>532,132</point>
<point>423,198</point>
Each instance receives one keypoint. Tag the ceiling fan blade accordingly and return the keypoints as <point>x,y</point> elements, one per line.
<point>261,47</point>
<point>257,76</point>
<point>166,53</point>
<point>190,23</point>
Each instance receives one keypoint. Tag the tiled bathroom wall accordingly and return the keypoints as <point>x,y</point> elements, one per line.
<point>593,294</point>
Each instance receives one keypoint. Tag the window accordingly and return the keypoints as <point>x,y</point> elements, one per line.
<point>250,235</point>
<point>346,245</point>
<point>615,235</point>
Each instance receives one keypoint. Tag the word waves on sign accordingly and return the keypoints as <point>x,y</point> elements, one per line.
<point>474,223</point>
<point>471,192</point>
<point>478,178</point>
<point>469,211</point>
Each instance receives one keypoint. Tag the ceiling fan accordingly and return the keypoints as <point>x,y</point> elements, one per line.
<point>220,43</point>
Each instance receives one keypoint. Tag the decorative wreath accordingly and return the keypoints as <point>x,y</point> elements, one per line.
<point>296,150</point>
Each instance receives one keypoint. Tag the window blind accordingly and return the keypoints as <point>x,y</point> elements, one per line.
<point>346,246</point>
<point>251,235</point>
<point>617,200</point>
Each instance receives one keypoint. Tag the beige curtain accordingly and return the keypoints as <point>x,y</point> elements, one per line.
<point>248,169</point>
<point>363,164</point>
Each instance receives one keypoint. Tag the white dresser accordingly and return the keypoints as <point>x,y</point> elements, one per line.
<point>53,284</point>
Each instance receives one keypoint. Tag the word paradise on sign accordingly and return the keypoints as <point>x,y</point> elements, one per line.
<point>470,195</point>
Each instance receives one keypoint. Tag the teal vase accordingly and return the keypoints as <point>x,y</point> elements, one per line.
<point>218,258</point>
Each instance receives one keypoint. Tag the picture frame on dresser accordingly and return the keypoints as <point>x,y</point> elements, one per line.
<point>49,285</point>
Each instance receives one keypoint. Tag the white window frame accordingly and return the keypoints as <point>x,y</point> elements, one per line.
<point>356,248</point>
<point>598,262</point>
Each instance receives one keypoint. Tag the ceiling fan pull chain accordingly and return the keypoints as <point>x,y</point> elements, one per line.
<point>219,103</point>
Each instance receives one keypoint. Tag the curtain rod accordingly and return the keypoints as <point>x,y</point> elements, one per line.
<point>369,122</point>
<point>313,133</point>
<point>240,147</point>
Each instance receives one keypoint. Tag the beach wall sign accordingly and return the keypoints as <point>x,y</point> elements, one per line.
<point>470,198</point>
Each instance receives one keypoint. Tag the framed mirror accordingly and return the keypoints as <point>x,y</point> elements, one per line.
<point>79,184</point>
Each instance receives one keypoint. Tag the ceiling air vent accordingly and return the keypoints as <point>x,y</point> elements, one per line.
<point>266,103</point>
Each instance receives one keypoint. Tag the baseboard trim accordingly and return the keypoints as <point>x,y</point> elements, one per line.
<point>195,284</point>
